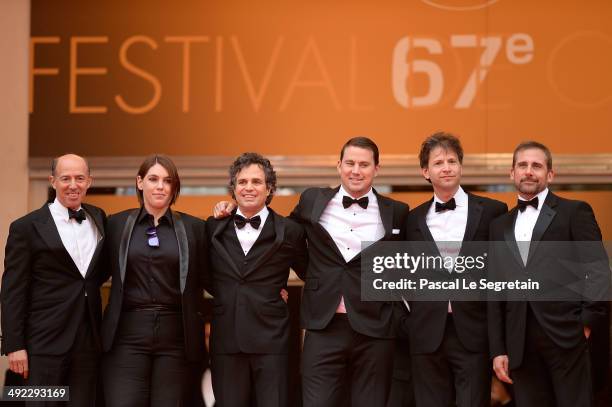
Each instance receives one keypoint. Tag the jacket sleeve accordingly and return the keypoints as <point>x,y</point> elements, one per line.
<point>104,259</point>
<point>15,288</point>
<point>595,260</point>
<point>300,256</point>
<point>205,265</point>
<point>495,306</point>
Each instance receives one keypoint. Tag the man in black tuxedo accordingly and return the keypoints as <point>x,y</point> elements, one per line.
<point>448,339</point>
<point>348,347</point>
<point>541,346</point>
<point>51,306</point>
<point>251,253</point>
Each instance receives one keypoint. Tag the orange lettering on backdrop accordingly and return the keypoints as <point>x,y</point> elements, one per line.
<point>157,89</point>
<point>353,79</point>
<point>325,82</point>
<point>219,75</point>
<point>39,71</point>
<point>75,70</point>
<point>186,41</point>
<point>256,97</point>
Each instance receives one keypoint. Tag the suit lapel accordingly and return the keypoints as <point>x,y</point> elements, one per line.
<point>421,216</point>
<point>321,202</point>
<point>50,235</point>
<point>386,213</point>
<point>509,236</point>
<point>279,230</point>
<point>124,244</point>
<point>96,215</point>
<point>319,205</point>
<point>220,247</point>
<point>473,218</point>
<point>545,218</point>
<point>183,244</point>
<point>98,221</point>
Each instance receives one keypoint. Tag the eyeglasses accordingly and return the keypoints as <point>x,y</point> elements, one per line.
<point>152,235</point>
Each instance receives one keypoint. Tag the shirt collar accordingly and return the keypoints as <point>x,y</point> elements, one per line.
<point>541,197</point>
<point>370,194</point>
<point>59,210</point>
<point>144,215</point>
<point>461,198</point>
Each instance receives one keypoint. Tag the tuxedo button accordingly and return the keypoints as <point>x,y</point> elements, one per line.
<point>245,262</point>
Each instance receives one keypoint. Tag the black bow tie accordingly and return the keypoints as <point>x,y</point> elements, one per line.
<point>447,206</point>
<point>348,201</point>
<point>522,205</point>
<point>241,221</point>
<point>79,215</point>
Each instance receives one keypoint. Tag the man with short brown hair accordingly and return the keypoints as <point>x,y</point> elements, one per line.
<point>448,339</point>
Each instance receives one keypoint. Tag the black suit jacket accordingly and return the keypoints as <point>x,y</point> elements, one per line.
<point>191,237</point>
<point>427,319</point>
<point>249,315</point>
<point>44,296</point>
<point>560,220</point>
<point>329,276</point>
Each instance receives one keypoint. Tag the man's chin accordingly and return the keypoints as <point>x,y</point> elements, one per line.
<point>72,203</point>
<point>529,190</point>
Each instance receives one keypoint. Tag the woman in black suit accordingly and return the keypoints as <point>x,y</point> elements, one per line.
<point>153,331</point>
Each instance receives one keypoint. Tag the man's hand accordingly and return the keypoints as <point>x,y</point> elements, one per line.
<point>284,295</point>
<point>587,332</point>
<point>223,209</point>
<point>18,362</point>
<point>500,367</point>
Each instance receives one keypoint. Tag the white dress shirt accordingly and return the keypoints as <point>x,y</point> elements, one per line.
<point>247,236</point>
<point>79,239</point>
<point>449,226</point>
<point>525,222</point>
<point>351,227</point>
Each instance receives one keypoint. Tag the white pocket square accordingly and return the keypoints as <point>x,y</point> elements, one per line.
<point>395,231</point>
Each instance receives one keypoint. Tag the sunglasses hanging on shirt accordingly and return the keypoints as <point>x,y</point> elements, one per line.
<point>153,240</point>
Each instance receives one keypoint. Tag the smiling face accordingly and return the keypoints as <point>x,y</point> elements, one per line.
<point>156,187</point>
<point>443,170</point>
<point>357,170</point>
<point>530,173</point>
<point>251,190</point>
<point>70,180</point>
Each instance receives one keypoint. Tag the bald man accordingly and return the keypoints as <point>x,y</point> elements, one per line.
<point>50,296</point>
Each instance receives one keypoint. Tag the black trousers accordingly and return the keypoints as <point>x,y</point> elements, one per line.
<point>146,365</point>
<point>452,375</point>
<point>339,364</point>
<point>77,369</point>
<point>401,394</point>
<point>550,375</point>
<point>240,378</point>
<point>402,386</point>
